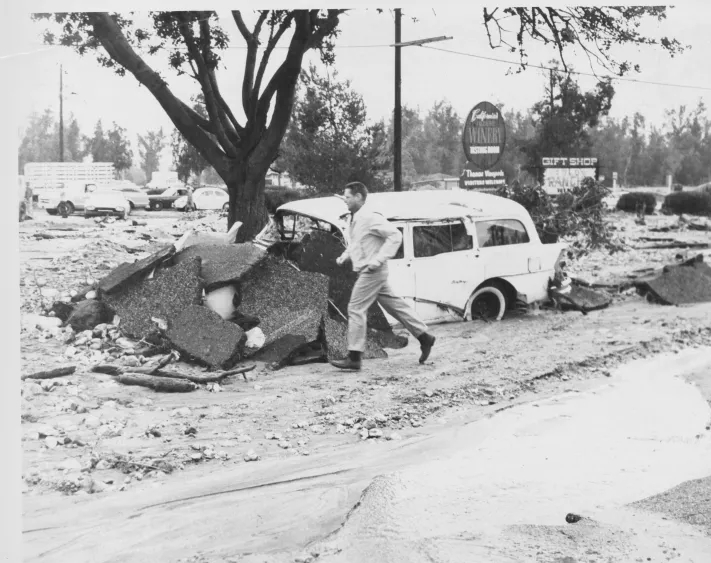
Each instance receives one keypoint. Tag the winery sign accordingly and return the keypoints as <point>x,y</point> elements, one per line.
<point>484,136</point>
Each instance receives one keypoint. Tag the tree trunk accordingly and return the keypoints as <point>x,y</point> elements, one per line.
<point>247,205</point>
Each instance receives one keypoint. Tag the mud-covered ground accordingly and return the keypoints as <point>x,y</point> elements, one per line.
<point>86,434</point>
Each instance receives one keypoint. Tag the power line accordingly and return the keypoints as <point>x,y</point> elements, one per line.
<point>571,72</point>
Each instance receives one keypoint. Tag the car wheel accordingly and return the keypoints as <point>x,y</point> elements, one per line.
<point>488,303</point>
<point>156,205</point>
<point>64,209</point>
<point>226,207</point>
<point>71,208</point>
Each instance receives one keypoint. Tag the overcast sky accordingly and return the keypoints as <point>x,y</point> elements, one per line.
<point>364,57</point>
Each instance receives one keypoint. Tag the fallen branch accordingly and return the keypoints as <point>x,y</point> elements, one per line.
<point>163,384</point>
<point>217,377</point>
<point>673,245</point>
<point>107,369</point>
<point>58,372</point>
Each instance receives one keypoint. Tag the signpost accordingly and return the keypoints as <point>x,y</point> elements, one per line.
<point>483,140</point>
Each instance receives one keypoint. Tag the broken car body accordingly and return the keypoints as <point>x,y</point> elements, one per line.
<point>464,254</point>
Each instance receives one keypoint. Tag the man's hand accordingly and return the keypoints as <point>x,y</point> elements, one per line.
<point>372,266</point>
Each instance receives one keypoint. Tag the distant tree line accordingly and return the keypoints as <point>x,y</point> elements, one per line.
<point>330,142</point>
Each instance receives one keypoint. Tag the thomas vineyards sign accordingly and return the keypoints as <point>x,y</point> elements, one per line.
<point>483,140</point>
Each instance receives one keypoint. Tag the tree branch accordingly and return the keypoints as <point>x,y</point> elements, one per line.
<point>206,82</point>
<point>273,40</point>
<point>112,39</point>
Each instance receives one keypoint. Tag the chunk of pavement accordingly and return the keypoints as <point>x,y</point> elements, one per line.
<point>62,310</point>
<point>318,253</point>
<point>224,263</point>
<point>582,299</point>
<point>281,351</point>
<point>689,282</point>
<point>165,296</point>
<point>336,339</point>
<point>285,300</point>
<point>89,313</point>
<point>204,335</point>
<point>128,273</point>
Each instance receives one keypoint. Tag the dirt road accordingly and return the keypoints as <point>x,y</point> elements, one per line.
<point>147,449</point>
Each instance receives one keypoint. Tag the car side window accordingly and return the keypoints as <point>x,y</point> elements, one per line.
<point>501,232</point>
<point>431,240</point>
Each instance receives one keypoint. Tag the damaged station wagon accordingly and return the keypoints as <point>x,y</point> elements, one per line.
<point>464,255</point>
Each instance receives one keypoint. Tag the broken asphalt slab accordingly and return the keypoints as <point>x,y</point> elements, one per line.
<point>204,335</point>
<point>285,300</point>
<point>127,273</point>
<point>165,296</point>
<point>224,263</point>
<point>680,284</point>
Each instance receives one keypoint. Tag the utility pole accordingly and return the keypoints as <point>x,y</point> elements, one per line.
<point>551,77</point>
<point>61,115</point>
<point>397,117</point>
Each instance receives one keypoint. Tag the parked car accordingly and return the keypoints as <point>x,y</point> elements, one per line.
<point>464,254</point>
<point>135,196</point>
<point>166,198</point>
<point>205,198</point>
<point>70,197</point>
<point>107,202</point>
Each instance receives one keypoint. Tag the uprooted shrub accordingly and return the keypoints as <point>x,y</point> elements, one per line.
<point>578,213</point>
<point>631,201</point>
<point>692,203</point>
<point>276,197</point>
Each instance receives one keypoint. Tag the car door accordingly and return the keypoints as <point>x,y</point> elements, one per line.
<point>401,275</point>
<point>203,199</point>
<point>505,247</point>
<point>444,265</point>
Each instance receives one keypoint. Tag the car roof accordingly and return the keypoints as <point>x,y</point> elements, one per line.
<point>428,205</point>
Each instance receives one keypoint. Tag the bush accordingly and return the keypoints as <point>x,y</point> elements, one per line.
<point>578,213</point>
<point>276,197</point>
<point>629,202</point>
<point>693,203</point>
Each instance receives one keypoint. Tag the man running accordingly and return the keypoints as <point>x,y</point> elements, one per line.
<point>373,241</point>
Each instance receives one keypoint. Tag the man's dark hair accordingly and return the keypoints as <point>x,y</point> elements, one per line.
<point>358,188</point>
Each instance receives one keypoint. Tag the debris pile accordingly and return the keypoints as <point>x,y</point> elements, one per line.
<point>687,282</point>
<point>214,303</point>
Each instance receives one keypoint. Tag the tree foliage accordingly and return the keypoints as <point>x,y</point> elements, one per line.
<point>150,146</point>
<point>329,141</point>
<point>186,158</point>
<point>40,140</point>
<point>109,146</point>
<point>594,30</point>
<point>240,150</point>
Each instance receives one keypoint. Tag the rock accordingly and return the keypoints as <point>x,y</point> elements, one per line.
<point>51,442</point>
<point>181,412</point>
<point>244,438</point>
<point>102,464</point>
<point>125,343</point>
<point>255,338</point>
<point>375,433</point>
<point>369,423</point>
<point>363,434</point>
<point>251,456</point>
<point>393,436</point>
<point>89,313</point>
<point>381,419</point>
<point>284,444</point>
<point>196,456</point>
<point>109,431</point>
<point>131,361</point>
<point>38,321</point>
<point>318,429</point>
<point>571,518</point>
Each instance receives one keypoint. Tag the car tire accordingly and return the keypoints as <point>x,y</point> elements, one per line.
<point>487,303</point>
<point>226,208</point>
<point>64,208</point>
<point>156,205</point>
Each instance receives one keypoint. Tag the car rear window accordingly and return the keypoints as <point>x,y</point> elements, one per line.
<point>501,232</point>
<point>431,240</point>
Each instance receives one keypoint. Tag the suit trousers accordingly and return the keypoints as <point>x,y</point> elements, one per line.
<point>371,287</point>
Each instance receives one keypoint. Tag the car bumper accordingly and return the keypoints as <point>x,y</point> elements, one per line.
<point>99,211</point>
